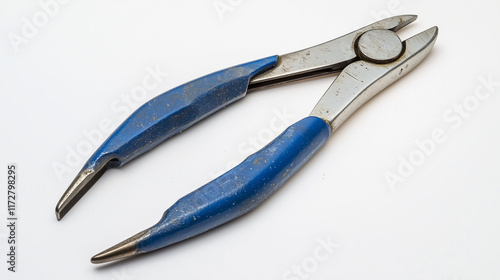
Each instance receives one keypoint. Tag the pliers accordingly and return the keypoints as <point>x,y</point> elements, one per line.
<point>368,59</point>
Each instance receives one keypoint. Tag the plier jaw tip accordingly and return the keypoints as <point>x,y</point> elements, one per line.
<point>85,179</point>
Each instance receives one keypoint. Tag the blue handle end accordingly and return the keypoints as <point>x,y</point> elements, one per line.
<point>175,110</point>
<point>242,188</point>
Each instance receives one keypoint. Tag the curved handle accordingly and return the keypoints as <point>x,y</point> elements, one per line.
<point>242,188</point>
<point>175,110</point>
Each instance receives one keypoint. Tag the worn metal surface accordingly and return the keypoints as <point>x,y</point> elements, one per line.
<point>379,46</point>
<point>361,80</point>
<point>327,58</point>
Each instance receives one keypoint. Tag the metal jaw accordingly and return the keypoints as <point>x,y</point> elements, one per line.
<point>80,185</point>
<point>361,80</point>
<point>323,59</point>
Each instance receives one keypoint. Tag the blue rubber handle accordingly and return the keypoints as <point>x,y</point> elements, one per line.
<point>242,188</point>
<point>175,110</point>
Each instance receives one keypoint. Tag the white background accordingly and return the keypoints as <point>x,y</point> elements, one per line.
<point>78,66</point>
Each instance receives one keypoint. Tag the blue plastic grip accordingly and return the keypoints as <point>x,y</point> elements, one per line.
<point>175,110</point>
<point>242,188</point>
